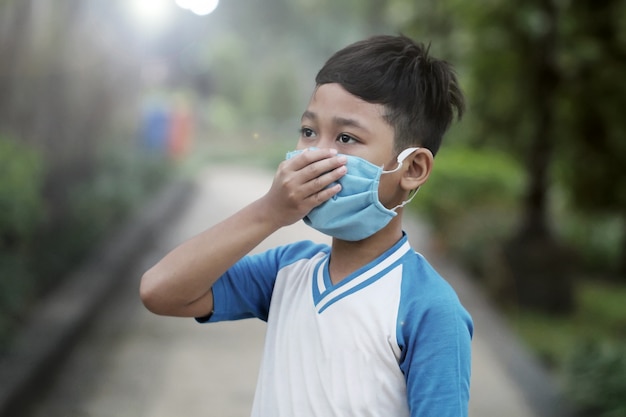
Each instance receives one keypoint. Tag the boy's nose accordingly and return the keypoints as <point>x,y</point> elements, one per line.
<point>326,142</point>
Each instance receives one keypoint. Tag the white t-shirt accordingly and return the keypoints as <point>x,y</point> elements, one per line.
<point>391,339</point>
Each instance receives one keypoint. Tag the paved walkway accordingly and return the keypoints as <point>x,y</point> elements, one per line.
<point>132,363</point>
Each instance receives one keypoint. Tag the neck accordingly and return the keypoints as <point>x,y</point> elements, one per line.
<point>347,257</point>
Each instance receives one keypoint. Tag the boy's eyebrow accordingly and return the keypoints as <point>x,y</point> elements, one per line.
<point>309,115</point>
<point>339,121</point>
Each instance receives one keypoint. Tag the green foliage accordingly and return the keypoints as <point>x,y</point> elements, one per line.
<point>544,77</point>
<point>600,315</point>
<point>592,98</point>
<point>251,89</point>
<point>16,291</point>
<point>484,41</point>
<point>463,178</point>
<point>470,199</point>
<point>587,350</point>
<point>123,179</point>
<point>20,190</point>
<point>596,378</point>
<point>222,115</point>
<point>603,307</point>
<point>36,255</point>
<point>597,238</point>
<point>21,213</point>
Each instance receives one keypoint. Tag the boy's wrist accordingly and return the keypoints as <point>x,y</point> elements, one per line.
<point>265,212</point>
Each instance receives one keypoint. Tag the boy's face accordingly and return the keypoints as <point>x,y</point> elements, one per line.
<point>337,119</point>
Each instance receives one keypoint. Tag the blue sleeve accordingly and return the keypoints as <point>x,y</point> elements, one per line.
<point>245,290</point>
<point>434,333</point>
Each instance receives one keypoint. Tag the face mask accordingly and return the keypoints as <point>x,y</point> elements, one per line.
<point>355,213</point>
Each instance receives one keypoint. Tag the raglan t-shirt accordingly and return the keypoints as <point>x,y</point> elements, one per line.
<point>391,339</point>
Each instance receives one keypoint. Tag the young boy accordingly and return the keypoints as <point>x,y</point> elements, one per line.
<point>364,327</point>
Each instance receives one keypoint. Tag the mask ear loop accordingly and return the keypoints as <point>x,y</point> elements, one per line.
<point>407,201</point>
<point>401,157</point>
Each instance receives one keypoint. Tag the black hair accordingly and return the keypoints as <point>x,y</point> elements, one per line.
<point>420,93</point>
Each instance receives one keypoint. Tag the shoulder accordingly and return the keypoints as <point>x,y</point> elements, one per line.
<point>421,282</point>
<point>280,257</point>
<point>293,252</point>
<point>427,297</point>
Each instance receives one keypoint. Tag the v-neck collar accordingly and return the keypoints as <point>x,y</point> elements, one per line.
<point>326,293</point>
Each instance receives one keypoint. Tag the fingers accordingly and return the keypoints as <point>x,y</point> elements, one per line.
<point>321,188</point>
<point>310,156</point>
<point>306,181</point>
<point>316,170</point>
<point>303,182</point>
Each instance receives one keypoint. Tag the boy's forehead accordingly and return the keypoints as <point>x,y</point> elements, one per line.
<point>333,101</point>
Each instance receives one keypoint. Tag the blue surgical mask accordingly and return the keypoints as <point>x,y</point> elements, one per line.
<point>355,213</point>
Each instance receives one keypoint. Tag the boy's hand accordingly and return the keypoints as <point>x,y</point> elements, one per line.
<point>181,283</point>
<point>304,182</point>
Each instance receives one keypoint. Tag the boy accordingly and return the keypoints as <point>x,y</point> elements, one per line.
<point>365,327</point>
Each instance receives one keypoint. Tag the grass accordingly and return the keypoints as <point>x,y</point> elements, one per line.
<point>600,316</point>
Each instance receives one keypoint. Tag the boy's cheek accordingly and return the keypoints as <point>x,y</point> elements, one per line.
<point>300,145</point>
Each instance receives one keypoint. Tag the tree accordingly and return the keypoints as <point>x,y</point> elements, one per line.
<point>539,263</point>
<point>593,146</point>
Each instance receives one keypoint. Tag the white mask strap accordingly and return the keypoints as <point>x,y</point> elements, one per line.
<point>405,202</point>
<point>401,157</point>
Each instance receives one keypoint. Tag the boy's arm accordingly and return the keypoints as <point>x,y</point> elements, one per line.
<point>437,365</point>
<point>180,283</point>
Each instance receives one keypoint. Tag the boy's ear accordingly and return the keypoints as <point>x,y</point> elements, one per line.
<point>419,165</point>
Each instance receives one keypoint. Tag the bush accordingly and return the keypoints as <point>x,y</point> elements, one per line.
<point>596,379</point>
<point>36,255</point>
<point>122,180</point>
<point>20,192</point>
<point>471,200</point>
<point>466,179</point>
<point>597,239</point>
<point>21,214</point>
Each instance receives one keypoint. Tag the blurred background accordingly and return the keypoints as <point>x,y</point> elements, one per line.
<point>103,103</point>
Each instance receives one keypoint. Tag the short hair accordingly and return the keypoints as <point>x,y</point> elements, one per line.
<point>420,93</point>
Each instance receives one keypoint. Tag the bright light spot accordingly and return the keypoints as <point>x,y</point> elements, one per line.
<point>199,7</point>
<point>185,4</point>
<point>152,14</point>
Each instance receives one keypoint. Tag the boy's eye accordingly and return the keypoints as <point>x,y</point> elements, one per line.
<point>306,132</point>
<point>344,138</point>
